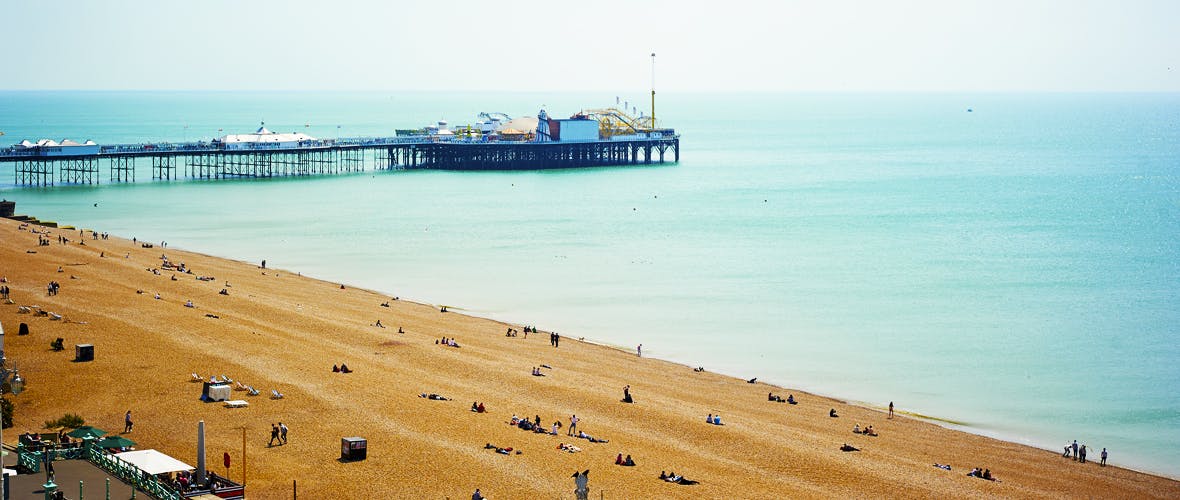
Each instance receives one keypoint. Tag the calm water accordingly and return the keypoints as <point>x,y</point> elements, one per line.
<point>1015,268</point>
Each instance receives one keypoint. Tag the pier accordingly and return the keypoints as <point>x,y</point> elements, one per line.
<point>47,165</point>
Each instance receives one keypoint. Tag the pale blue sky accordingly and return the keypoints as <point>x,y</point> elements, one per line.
<point>912,45</point>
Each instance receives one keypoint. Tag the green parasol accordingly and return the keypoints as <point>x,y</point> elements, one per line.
<point>87,431</point>
<point>115,442</point>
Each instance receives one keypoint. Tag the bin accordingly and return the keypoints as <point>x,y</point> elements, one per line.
<point>83,352</point>
<point>353,448</point>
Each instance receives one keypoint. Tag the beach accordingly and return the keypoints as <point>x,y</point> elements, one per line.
<point>277,330</point>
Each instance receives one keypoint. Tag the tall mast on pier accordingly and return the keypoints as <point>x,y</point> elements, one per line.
<point>653,90</point>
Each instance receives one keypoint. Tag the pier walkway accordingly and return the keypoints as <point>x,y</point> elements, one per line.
<point>47,165</point>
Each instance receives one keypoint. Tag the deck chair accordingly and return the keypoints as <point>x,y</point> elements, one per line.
<point>275,394</point>
<point>197,378</point>
<point>238,386</point>
<point>251,391</point>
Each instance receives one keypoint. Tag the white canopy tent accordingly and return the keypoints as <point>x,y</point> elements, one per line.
<point>153,462</point>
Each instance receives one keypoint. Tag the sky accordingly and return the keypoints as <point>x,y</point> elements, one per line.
<point>556,45</point>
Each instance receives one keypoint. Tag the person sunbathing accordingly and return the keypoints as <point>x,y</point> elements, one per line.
<point>502,451</point>
<point>480,408</point>
<point>344,368</point>
<point>628,462</point>
<point>432,396</point>
<point>846,447</point>
<point>671,477</point>
<point>791,399</point>
<point>856,429</point>
<point>592,439</point>
<point>832,413</point>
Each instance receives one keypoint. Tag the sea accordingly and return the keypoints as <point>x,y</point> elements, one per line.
<point>1006,263</point>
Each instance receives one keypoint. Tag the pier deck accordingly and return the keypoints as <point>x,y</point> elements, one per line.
<point>211,160</point>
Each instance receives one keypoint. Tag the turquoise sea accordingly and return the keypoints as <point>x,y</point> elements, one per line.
<point>1008,261</point>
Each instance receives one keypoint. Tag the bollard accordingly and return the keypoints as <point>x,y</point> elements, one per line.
<point>80,490</point>
<point>108,488</point>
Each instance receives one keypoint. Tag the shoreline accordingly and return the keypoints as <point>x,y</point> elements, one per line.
<point>676,404</point>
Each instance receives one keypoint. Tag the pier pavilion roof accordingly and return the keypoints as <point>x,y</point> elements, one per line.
<point>262,135</point>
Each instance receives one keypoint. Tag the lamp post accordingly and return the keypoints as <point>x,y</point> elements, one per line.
<point>16,384</point>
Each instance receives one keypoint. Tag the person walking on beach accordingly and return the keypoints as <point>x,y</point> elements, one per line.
<point>264,263</point>
<point>573,425</point>
<point>274,435</point>
<point>639,350</point>
<point>891,409</point>
<point>127,423</point>
<point>283,432</point>
<point>1103,464</point>
<point>1082,454</point>
<point>1074,447</point>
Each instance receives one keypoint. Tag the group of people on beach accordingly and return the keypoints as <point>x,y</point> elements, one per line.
<point>447,342</point>
<point>1078,453</point>
<point>982,474</point>
<point>868,430</point>
<point>533,425</point>
<point>278,433</point>
<point>770,396</point>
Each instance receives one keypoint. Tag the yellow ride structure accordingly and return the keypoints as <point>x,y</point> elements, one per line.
<point>613,122</point>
